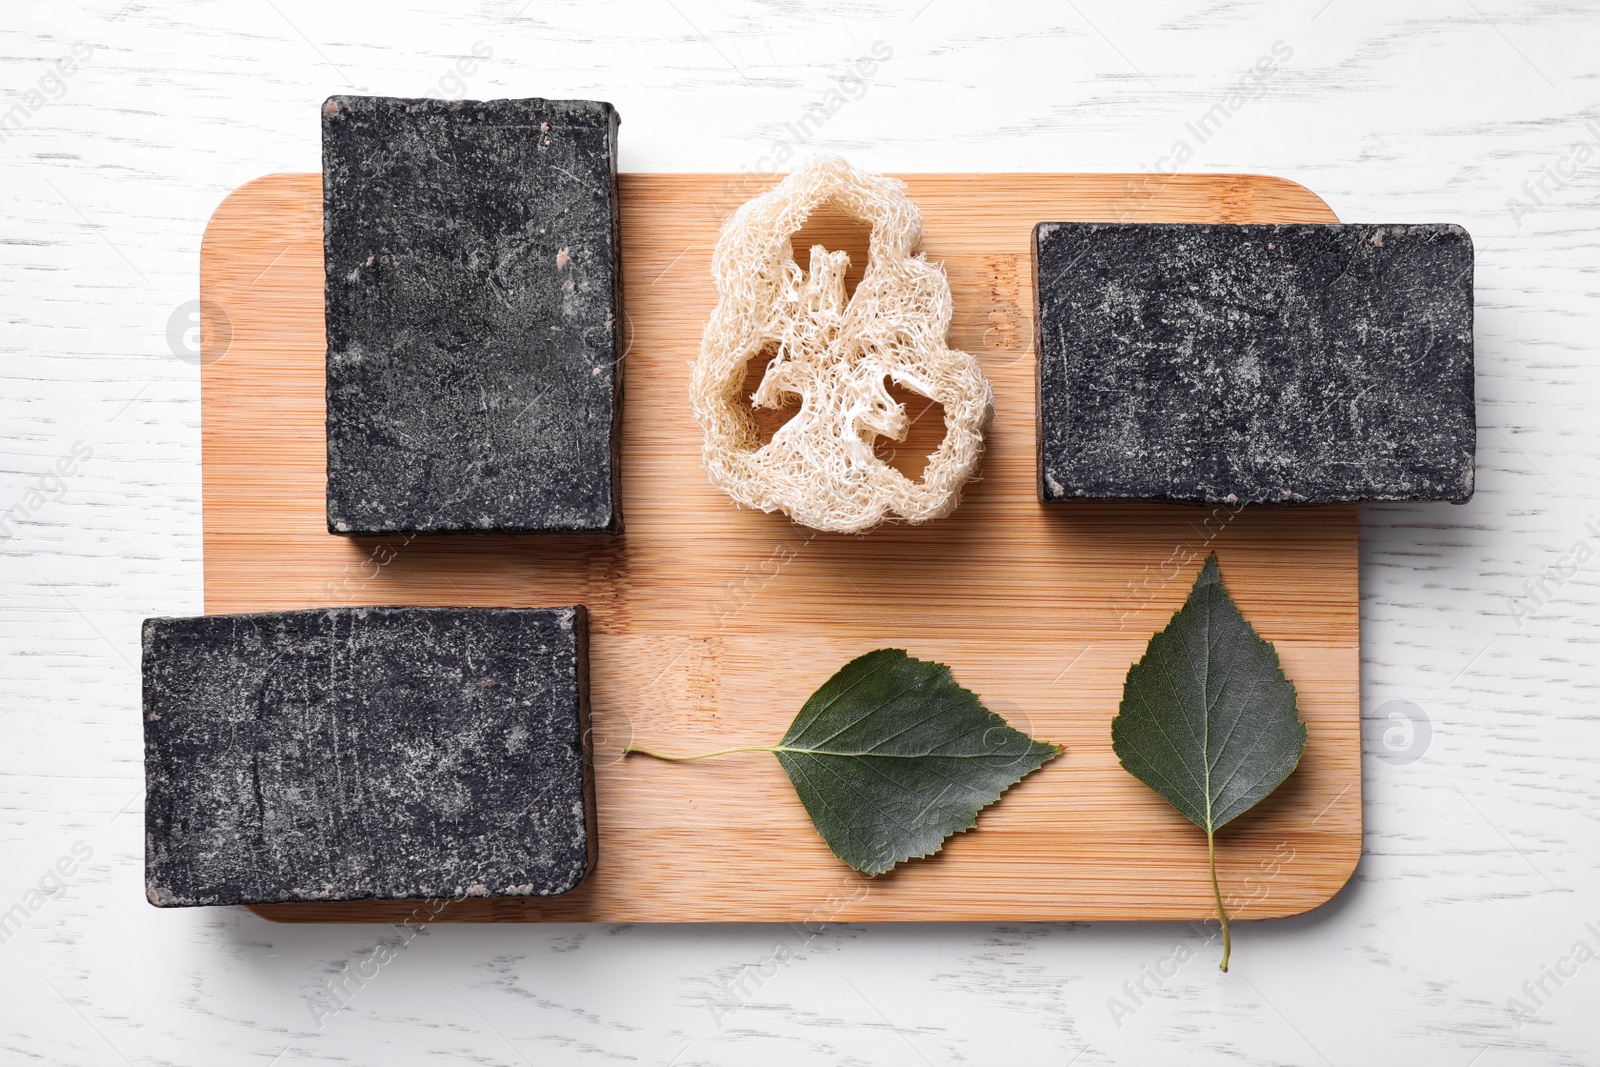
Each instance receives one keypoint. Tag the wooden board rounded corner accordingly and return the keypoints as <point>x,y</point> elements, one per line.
<point>712,623</point>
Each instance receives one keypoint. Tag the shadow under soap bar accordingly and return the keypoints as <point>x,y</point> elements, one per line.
<point>355,753</point>
<point>1254,364</point>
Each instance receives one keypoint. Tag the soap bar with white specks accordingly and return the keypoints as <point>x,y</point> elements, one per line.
<point>1254,364</point>
<point>473,315</point>
<point>355,753</point>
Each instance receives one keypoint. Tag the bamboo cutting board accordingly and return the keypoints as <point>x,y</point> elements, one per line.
<point>711,624</point>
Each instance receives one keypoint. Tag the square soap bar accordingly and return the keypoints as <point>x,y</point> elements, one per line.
<point>473,314</point>
<point>1295,364</point>
<point>355,753</point>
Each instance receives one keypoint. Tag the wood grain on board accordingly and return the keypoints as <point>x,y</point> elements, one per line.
<point>712,624</point>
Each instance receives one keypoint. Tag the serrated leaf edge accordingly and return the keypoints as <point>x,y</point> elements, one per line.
<point>1210,574</point>
<point>1054,751</point>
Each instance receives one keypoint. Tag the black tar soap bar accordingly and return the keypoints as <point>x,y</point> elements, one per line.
<point>1296,364</point>
<point>354,753</point>
<point>473,309</point>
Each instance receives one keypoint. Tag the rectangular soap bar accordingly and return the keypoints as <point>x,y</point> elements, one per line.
<point>1295,364</point>
<point>473,313</point>
<point>354,753</point>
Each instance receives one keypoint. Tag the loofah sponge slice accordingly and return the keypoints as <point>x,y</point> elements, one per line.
<point>837,357</point>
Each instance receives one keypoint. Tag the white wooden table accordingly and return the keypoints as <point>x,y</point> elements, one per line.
<point>123,126</point>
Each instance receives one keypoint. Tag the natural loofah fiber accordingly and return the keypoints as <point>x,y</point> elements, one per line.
<point>837,357</point>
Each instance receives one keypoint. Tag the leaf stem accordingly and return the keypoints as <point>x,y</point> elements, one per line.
<point>1216,891</point>
<point>632,749</point>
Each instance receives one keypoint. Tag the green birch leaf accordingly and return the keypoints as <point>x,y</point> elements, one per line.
<point>1208,719</point>
<point>890,757</point>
